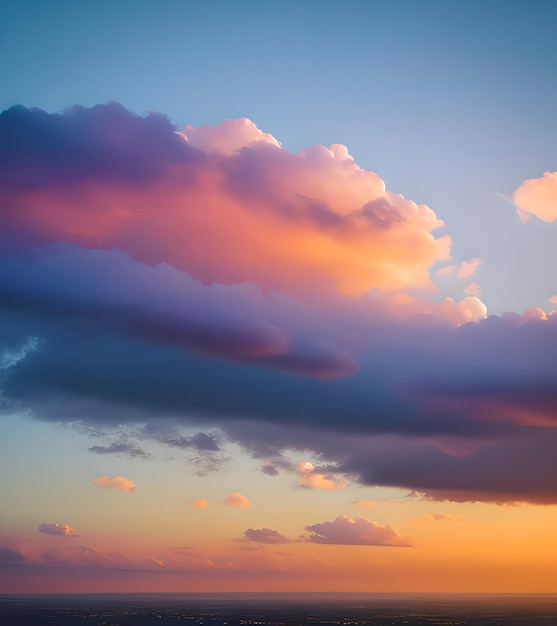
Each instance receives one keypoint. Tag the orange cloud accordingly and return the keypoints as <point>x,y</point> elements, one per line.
<point>62,530</point>
<point>239,208</point>
<point>237,500</point>
<point>117,482</point>
<point>309,477</point>
<point>199,503</point>
<point>538,197</point>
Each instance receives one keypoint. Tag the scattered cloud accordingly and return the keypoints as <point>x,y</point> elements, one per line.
<point>553,299</point>
<point>237,500</point>
<point>358,531</point>
<point>199,503</point>
<point>62,530</point>
<point>117,482</point>
<point>537,197</point>
<point>265,535</point>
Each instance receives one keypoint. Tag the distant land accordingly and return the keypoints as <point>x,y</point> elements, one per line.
<point>279,609</point>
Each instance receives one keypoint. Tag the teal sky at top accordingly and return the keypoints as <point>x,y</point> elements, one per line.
<point>449,102</point>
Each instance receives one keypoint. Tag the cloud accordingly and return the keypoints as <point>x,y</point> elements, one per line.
<point>432,517</point>
<point>120,448</point>
<point>447,270</point>
<point>366,504</point>
<point>227,137</point>
<point>537,197</point>
<point>309,477</point>
<point>553,299</point>
<point>467,268</point>
<point>295,284</point>
<point>11,557</point>
<point>117,482</point>
<point>62,530</point>
<point>473,289</point>
<point>358,531</point>
<point>237,500</point>
<point>265,535</point>
<point>199,503</point>
<point>269,468</point>
<point>332,224</point>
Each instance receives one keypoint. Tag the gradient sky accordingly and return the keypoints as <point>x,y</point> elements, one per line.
<point>277,296</point>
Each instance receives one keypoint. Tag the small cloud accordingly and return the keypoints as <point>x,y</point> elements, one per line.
<point>538,197</point>
<point>446,271</point>
<point>269,468</point>
<point>62,530</point>
<point>365,504</point>
<point>359,531</point>
<point>117,482</point>
<point>468,268</point>
<point>553,299</point>
<point>237,500</point>
<point>309,477</point>
<point>473,289</point>
<point>432,517</point>
<point>199,503</point>
<point>265,535</point>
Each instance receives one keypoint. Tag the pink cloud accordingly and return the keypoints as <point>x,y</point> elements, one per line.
<point>446,271</point>
<point>237,500</point>
<point>227,137</point>
<point>199,503</point>
<point>358,531</point>
<point>467,268</point>
<point>117,482</point>
<point>473,289</point>
<point>553,299</point>
<point>288,222</point>
<point>62,530</point>
<point>538,197</point>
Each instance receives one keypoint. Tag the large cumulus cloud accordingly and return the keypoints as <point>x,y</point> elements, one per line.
<point>211,277</point>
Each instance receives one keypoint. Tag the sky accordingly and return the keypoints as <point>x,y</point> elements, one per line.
<point>277,296</point>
